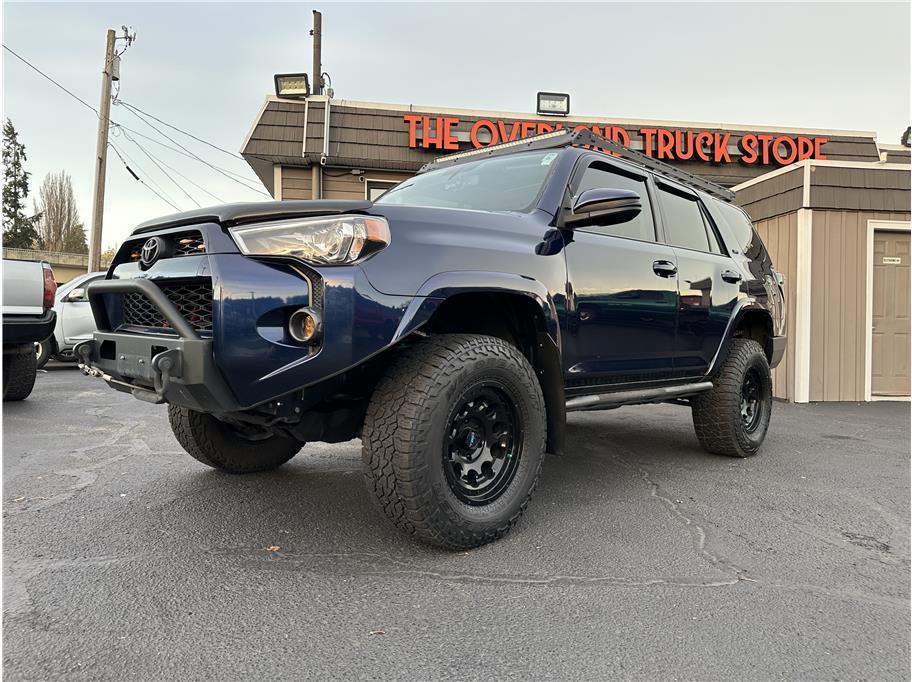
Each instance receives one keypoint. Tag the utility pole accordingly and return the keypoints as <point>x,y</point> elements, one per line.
<point>101,154</point>
<point>316,175</point>
<point>317,34</point>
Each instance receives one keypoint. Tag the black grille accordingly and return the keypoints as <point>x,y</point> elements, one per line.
<point>316,291</point>
<point>182,244</point>
<point>193,300</point>
<point>189,244</point>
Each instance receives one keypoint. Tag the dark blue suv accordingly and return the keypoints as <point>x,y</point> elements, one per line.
<point>451,324</point>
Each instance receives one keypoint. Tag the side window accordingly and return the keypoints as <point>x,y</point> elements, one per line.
<point>685,224</point>
<point>601,175</point>
<point>714,242</point>
<point>740,226</point>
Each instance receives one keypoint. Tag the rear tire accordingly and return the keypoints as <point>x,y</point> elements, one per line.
<point>454,439</point>
<point>733,418</point>
<point>19,371</point>
<point>43,351</point>
<point>219,445</point>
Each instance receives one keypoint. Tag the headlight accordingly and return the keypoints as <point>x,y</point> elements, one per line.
<point>327,240</point>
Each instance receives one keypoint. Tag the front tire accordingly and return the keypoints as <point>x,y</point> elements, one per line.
<point>733,418</point>
<point>454,439</point>
<point>19,372</point>
<point>221,446</point>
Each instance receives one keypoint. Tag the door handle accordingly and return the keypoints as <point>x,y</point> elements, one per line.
<point>731,276</point>
<point>664,268</point>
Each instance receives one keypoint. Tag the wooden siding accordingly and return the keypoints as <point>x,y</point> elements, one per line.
<point>859,189</point>
<point>776,196</point>
<point>780,235</point>
<point>899,155</point>
<point>296,183</point>
<point>337,184</point>
<point>838,290</point>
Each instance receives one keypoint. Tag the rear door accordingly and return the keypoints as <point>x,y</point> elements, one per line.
<point>708,280</point>
<point>622,290</point>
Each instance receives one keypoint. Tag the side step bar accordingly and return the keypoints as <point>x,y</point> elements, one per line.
<point>636,397</point>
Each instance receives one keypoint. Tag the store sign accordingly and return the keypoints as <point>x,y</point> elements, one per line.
<point>666,144</point>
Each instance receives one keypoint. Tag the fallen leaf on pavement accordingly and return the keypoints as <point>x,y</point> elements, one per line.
<point>378,632</point>
<point>273,548</point>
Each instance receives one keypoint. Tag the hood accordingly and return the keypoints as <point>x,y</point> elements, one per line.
<point>236,214</point>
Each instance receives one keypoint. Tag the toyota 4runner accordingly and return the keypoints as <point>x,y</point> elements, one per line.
<point>451,324</point>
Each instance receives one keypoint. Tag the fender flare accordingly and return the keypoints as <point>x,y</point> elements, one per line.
<point>547,360</point>
<point>742,308</point>
<point>444,285</point>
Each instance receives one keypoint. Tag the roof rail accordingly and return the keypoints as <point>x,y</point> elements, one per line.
<point>585,138</point>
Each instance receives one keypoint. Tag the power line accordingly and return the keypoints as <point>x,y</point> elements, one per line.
<point>183,150</point>
<point>116,125</point>
<point>172,168</point>
<point>42,73</point>
<point>165,173</point>
<point>191,135</point>
<point>173,141</point>
<point>150,178</point>
<point>174,127</point>
<point>139,179</point>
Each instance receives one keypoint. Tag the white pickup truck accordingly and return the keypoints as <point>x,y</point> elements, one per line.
<point>28,316</point>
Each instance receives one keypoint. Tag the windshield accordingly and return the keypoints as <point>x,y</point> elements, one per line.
<point>506,183</point>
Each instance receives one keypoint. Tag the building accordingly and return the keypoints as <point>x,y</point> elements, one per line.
<point>833,206</point>
<point>839,232</point>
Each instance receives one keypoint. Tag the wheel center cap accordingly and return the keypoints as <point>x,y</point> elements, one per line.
<point>472,439</point>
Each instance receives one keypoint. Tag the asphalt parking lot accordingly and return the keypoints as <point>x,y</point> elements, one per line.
<point>640,556</point>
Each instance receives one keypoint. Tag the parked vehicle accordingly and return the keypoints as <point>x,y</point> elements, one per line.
<point>28,316</point>
<point>75,322</point>
<point>451,324</point>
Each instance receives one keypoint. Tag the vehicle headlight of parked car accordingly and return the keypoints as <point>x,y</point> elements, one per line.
<point>322,241</point>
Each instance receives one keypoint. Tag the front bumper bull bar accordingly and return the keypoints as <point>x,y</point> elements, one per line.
<point>175,368</point>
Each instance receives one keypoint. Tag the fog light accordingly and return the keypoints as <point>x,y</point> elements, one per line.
<point>304,326</point>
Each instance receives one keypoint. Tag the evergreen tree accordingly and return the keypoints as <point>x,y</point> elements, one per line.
<point>18,230</point>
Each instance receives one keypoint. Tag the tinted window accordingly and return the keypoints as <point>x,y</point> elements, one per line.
<point>641,227</point>
<point>740,226</point>
<point>714,244</point>
<point>506,183</point>
<point>684,221</point>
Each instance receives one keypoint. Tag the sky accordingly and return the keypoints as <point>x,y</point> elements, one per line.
<point>206,67</point>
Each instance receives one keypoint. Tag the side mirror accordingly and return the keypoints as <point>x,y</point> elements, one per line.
<point>604,206</point>
<point>76,295</point>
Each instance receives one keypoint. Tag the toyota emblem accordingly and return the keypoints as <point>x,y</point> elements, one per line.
<point>151,251</point>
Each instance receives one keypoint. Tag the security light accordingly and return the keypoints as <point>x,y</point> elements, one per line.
<point>553,104</point>
<point>292,85</point>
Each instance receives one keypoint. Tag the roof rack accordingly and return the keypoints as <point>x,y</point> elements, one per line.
<point>585,138</point>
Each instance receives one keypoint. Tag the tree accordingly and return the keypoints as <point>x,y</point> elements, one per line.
<point>18,230</point>
<point>59,227</point>
<point>107,256</point>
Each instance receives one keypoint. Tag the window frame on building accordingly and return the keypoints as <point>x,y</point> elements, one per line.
<point>378,183</point>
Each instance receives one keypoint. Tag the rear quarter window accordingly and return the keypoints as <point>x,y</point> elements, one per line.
<point>739,226</point>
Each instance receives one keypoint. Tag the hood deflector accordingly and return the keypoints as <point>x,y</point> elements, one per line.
<point>237,214</point>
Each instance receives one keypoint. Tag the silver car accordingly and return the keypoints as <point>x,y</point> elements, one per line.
<point>74,320</point>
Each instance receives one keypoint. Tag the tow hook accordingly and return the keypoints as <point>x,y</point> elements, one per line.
<point>91,371</point>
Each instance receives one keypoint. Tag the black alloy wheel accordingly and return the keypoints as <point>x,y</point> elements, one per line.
<point>482,444</point>
<point>733,418</point>
<point>454,438</point>
<point>751,400</point>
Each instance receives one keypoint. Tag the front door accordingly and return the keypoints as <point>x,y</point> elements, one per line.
<point>622,292</point>
<point>890,314</point>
